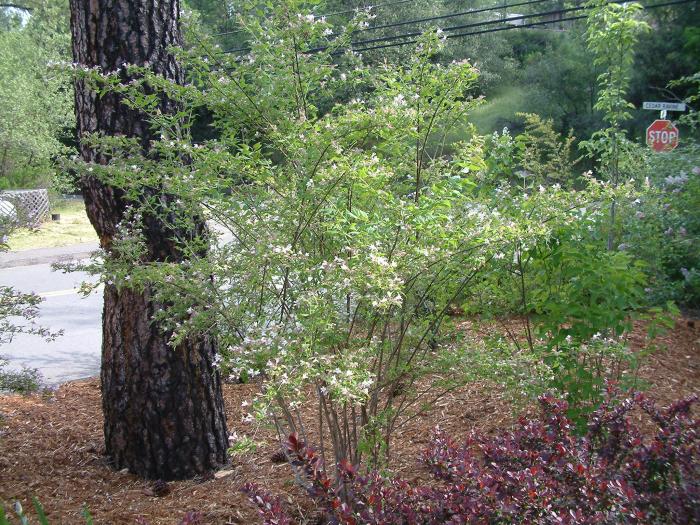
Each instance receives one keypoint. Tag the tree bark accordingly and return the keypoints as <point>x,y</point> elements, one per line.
<point>163,409</point>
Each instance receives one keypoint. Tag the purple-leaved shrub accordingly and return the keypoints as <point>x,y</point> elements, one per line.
<point>539,472</point>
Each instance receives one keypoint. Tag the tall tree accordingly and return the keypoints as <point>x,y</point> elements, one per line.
<point>36,106</point>
<point>163,408</point>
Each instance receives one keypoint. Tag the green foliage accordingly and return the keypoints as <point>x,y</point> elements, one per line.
<point>352,227</point>
<point>18,312</point>
<point>21,515</point>
<point>544,153</point>
<point>14,305</point>
<point>350,240</point>
<point>352,232</point>
<point>241,445</point>
<point>667,53</point>
<point>662,228</point>
<point>612,33</point>
<point>576,300</point>
<point>24,381</point>
<point>582,291</point>
<point>692,82</point>
<point>580,372</point>
<point>36,97</point>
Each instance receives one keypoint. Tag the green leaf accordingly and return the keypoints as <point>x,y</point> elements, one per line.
<point>43,520</point>
<point>86,514</point>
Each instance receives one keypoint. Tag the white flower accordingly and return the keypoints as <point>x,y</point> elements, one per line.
<point>379,260</point>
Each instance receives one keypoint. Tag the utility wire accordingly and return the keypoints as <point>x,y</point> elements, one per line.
<point>416,21</point>
<point>451,15</point>
<point>379,40</point>
<point>489,22</point>
<point>421,20</point>
<point>483,31</point>
<point>510,27</point>
<point>473,24</point>
<point>335,13</point>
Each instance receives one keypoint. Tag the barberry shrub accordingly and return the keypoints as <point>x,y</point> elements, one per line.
<point>540,472</point>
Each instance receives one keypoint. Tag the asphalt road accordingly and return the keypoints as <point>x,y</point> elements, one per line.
<point>74,355</point>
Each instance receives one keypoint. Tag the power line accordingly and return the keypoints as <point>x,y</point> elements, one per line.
<point>510,27</point>
<point>419,20</point>
<point>451,15</point>
<point>484,31</point>
<point>473,25</point>
<point>489,22</point>
<point>467,26</point>
<point>335,13</point>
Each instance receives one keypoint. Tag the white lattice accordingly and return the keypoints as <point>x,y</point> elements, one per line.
<point>32,205</point>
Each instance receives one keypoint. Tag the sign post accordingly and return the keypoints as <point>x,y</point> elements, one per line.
<point>662,134</point>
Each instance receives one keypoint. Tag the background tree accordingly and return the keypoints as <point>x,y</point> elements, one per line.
<point>36,106</point>
<point>612,34</point>
<point>162,406</point>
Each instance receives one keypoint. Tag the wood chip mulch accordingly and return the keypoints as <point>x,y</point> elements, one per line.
<point>51,447</point>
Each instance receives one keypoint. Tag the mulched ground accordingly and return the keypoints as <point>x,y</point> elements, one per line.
<point>52,447</point>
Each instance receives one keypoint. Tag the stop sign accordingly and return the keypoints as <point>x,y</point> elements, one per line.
<point>662,135</point>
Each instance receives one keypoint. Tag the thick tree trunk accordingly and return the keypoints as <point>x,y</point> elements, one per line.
<point>163,408</point>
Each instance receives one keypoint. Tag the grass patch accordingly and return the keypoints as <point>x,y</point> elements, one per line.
<point>73,228</point>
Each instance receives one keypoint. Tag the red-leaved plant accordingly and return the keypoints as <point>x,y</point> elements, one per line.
<point>538,473</point>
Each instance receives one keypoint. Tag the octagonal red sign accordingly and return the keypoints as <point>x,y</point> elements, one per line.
<point>662,136</point>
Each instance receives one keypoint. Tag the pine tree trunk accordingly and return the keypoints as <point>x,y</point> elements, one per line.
<point>163,409</point>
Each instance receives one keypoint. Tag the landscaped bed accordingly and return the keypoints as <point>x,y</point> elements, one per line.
<point>51,446</point>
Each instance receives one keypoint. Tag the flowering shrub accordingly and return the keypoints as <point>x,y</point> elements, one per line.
<point>662,229</point>
<point>350,233</point>
<point>540,472</point>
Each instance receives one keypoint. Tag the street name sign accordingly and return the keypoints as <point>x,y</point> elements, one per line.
<point>664,106</point>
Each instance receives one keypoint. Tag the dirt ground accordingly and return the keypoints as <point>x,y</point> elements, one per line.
<point>51,447</point>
